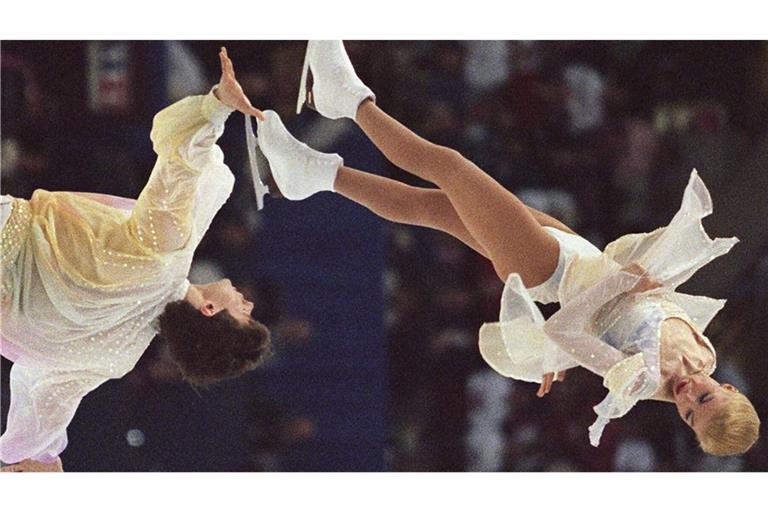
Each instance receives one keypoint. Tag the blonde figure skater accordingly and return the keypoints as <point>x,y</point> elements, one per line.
<point>88,280</point>
<point>620,315</point>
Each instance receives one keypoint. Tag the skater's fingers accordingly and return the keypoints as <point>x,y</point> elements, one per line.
<point>258,114</point>
<point>223,61</point>
<point>248,109</point>
<point>560,376</point>
<point>546,384</point>
<point>226,63</point>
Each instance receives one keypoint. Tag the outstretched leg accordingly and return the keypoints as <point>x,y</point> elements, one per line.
<point>398,202</point>
<point>512,237</point>
<point>494,217</point>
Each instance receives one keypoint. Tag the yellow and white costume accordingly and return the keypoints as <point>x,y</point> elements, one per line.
<point>84,276</point>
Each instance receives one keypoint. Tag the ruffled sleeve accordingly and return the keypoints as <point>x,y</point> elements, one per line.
<point>517,346</point>
<point>43,402</point>
<point>189,181</point>
<point>630,380</point>
<point>700,309</point>
<point>671,255</point>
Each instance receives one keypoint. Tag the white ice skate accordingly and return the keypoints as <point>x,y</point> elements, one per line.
<point>335,90</point>
<point>298,170</point>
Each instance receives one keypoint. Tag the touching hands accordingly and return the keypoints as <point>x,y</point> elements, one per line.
<point>229,91</point>
<point>546,382</point>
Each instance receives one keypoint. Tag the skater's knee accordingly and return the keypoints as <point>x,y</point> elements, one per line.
<point>444,162</point>
<point>447,158</point>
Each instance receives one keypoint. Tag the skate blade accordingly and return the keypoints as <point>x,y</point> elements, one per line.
<point>305,87</point>
<point>261,172</point>
<point>303,83</point>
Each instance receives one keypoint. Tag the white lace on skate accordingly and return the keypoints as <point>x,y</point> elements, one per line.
<point>298,170</point>
<point>337,91</point>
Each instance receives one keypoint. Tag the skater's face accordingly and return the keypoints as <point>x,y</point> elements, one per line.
<point>221,295</point>
<point>698,397</point>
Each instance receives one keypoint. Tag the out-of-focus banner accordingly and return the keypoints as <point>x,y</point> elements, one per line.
<point>110,80</point>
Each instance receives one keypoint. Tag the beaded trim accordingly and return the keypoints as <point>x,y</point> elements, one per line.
<point>15,231</point>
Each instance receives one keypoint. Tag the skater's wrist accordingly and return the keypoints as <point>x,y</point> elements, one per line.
<point>214,109</point>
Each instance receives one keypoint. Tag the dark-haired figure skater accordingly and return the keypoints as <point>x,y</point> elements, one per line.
<point>620,316</point>
<point>88,280</point>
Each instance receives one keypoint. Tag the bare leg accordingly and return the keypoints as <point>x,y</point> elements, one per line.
<point>512,237</point>
<point>398,202</point>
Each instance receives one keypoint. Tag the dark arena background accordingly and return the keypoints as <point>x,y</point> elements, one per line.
<point>376,324</point>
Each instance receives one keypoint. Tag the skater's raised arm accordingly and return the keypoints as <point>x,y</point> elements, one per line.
<point>190,181</point>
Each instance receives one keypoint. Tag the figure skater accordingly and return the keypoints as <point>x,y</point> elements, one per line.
<point>88,280</point>
<point>620,315</point>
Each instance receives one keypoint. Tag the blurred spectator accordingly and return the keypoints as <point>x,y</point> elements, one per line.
<point>489,403</point>
<point>205,271</point>
<point>487,64</point>
<point>634,454</point>
<point>585,100</point>
<point>633,173</point>
<point>186,74</point>
<point>557,203</point>
<point>272,430</point>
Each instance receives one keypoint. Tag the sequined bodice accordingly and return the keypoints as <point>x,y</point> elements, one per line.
<point>631,322</point>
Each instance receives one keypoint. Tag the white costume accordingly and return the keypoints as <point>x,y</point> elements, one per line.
<point>84,275</point>
<point>600,326</point>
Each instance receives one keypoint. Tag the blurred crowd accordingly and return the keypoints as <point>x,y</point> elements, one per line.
<point>601,135</point>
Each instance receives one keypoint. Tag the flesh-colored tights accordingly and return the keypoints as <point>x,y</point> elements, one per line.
<point>468,203</point>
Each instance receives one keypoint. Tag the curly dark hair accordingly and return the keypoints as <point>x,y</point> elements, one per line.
<point>211,349</point>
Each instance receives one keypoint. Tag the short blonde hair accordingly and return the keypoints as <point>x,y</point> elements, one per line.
<point>732,430</point>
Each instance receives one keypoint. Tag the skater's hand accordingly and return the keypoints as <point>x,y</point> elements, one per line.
<point>546,382</point>
<point>230,92</point>
<point>645,283</point>
<point>33,466</point>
